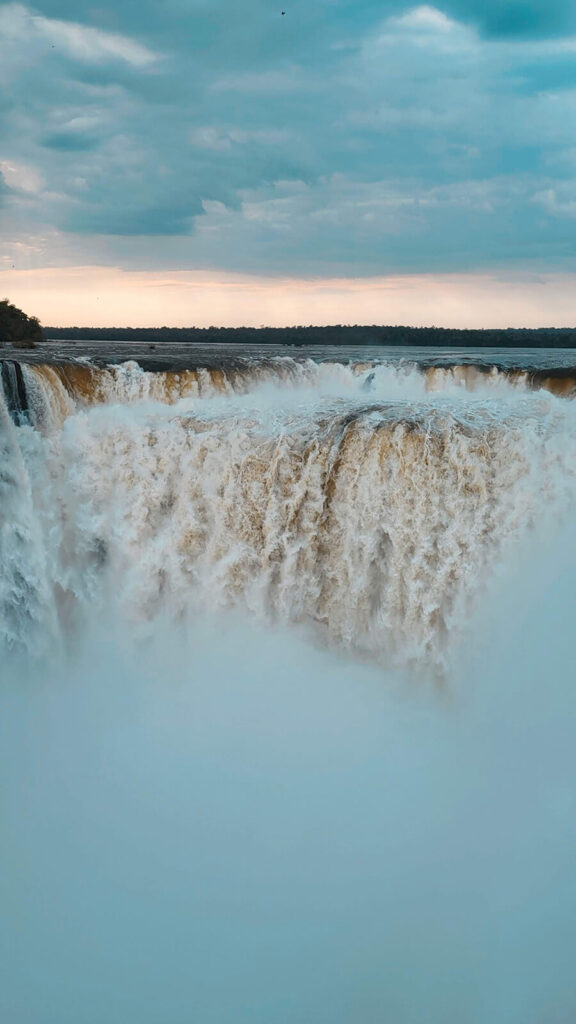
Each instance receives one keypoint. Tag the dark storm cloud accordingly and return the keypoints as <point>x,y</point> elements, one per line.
<point>342,136</point>
<point>70,142</point>
<point>518,17</point>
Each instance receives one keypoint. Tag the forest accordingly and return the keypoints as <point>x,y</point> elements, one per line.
<point>18,329</point>
<point>544,337</point>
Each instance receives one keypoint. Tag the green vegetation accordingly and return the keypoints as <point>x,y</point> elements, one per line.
<point>438,337</point>
<point>18,329</point>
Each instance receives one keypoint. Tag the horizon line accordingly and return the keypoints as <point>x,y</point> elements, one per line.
<point>308,327</point>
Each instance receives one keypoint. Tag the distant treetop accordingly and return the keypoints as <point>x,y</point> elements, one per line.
<point>336,334</point>
<point>18,329</point>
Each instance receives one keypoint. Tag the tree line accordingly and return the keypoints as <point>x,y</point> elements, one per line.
<point>339,334</point>
<point>21,330</point>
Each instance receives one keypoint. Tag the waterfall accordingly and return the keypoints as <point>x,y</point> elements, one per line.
<point>370,504</point>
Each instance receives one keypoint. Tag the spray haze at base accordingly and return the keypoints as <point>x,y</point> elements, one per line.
<point>227,801</point>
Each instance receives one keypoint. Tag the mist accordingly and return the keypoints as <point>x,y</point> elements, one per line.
<point>231,825</point>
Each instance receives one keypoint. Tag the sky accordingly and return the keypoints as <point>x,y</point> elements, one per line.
<point>349,161</point>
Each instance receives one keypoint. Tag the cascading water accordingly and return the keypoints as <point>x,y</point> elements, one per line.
<point>50,393</point>
<point>369,503</point>
<point>225,803</point>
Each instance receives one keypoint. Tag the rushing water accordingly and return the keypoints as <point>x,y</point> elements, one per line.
<point>288,691</point>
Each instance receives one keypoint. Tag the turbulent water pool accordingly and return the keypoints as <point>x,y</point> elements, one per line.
<point>288,687</point>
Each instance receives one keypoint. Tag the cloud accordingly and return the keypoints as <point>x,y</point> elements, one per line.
<point>558,203</point>
<point>20,25</point>
<point>346,137</point>
<point>424,19</point>
<point>20,177</point>
<point>71,142</point>
<point>518,19</point>
<point>89,44</point>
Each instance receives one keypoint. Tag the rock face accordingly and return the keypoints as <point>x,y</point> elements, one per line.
<point>16,328</point>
